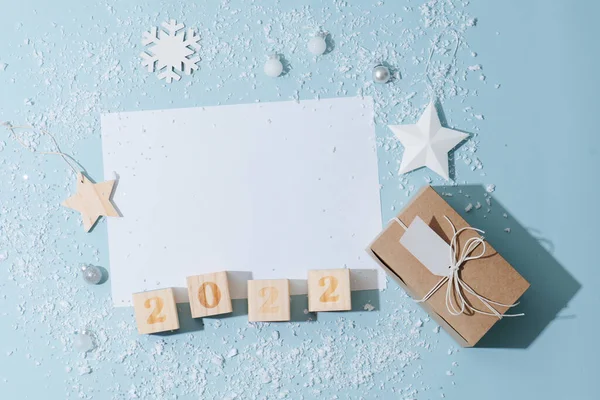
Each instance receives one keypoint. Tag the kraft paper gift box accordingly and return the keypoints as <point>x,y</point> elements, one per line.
<point>489,276</point>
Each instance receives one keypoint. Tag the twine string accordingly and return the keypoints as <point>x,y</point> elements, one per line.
<point>429,82</point>
<point>456,303</point>
<point>71,162</point>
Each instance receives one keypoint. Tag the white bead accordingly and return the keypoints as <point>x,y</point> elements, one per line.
<point>273,67</point>
<point>317,45</point>
<point>83,342</point>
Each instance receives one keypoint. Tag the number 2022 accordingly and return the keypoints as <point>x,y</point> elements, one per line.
<point>155,317</point>
<point>270,294</point>
<point>328,296</point>
<point>216,295</point>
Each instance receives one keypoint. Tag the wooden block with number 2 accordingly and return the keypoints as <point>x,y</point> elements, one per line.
<point>329,290</point>
<point>155,311</point>
<point>269,300</point>
<point>209,294</point>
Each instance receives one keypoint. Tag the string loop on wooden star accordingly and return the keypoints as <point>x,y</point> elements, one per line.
<point>66,157</point>
<point>429,82</point>
<point>92,200</point>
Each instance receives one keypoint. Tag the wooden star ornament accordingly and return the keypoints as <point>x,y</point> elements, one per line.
<point>92,200</point>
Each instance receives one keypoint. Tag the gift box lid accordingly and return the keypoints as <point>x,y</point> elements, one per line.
<point>490,276</point>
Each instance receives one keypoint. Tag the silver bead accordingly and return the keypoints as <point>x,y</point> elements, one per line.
<point>91,274</point>
<point>381,74</point>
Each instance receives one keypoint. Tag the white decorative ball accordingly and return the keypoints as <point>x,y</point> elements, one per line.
<point>273,66</point>
<point>381,74</point>
<point>317,45</point>
<point>83,341</point>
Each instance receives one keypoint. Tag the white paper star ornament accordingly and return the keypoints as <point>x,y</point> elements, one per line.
<point>427,143</point>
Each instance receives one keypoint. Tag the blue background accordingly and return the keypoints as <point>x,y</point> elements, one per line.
<point>535,136</point>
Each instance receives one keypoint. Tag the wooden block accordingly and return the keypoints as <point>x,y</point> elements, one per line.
<point>209,294</point>
<point>329,290</point>
<point>155,311</point>
<point>269,300</point>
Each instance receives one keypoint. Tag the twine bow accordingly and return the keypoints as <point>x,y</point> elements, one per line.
<point>455,298</point>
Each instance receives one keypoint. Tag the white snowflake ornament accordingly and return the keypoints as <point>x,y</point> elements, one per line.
<point>172,51</point>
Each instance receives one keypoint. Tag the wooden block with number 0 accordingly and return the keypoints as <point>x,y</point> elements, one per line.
<point>269,300</point>
<point>329,290</point>
<point>155,311</point>
<point>209,294</point>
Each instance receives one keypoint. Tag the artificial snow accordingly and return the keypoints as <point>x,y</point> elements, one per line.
<point>42,243</point>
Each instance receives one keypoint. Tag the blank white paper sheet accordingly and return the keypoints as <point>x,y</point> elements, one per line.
<point>263,191</point>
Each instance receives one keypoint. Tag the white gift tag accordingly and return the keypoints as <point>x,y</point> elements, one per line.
<point>427,247</point>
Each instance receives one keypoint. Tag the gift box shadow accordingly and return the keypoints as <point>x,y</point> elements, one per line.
<point>444,122</point>
<point>552,287</point>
